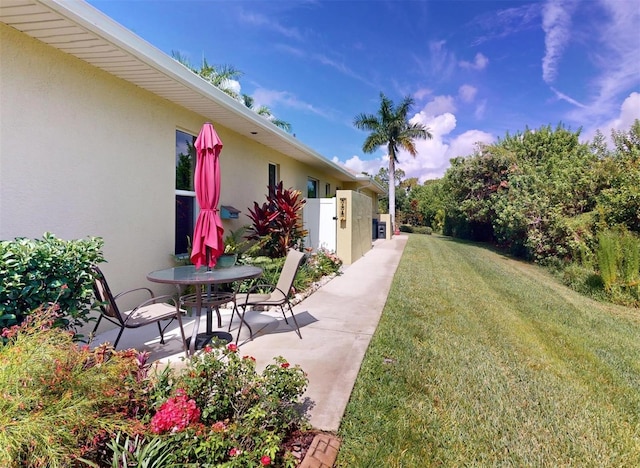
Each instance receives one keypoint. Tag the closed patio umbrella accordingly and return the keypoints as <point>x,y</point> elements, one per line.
<point>207,236</point>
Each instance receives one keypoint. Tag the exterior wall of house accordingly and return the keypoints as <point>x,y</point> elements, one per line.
<point>83,153</point>
<point>353,238</point>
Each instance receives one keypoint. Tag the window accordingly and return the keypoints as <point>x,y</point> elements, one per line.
<point>327,190</point>
<point>312,188</point>
<point>274,174</point>
<point>186,206</point>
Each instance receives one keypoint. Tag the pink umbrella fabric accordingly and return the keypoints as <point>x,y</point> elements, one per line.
<point>208,231</point>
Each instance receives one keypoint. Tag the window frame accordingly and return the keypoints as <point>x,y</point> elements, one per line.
<point>316,186</point>
<point>181,193</point>
<point>276,174</point>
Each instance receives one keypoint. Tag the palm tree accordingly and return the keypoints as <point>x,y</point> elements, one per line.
<point>391,127</point>
<point>265,112</point>
<point>219,76</point>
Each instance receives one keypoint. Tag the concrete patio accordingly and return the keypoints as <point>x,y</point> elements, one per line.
<point>337,323</point>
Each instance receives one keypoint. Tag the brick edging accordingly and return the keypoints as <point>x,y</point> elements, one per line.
<point>322,453</point>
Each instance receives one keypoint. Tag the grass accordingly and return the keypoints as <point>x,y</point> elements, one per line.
<point>482,360</point>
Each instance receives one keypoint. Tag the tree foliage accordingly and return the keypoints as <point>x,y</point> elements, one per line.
<point>223,77</point>
<point>392,128</point>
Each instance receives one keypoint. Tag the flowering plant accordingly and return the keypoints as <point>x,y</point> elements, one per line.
<point>219,410</point>
<point>324,262</point>
<point>175,414</point>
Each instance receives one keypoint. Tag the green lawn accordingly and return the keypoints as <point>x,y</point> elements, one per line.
<point>483,360</point>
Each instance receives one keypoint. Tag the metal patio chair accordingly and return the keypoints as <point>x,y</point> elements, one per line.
<point>277,295</point>
<point>153,310</point>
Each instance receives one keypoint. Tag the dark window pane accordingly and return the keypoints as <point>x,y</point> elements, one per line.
<point>312,188</point>
<point>185,160</point>
<point>273,175</point>
<point>184,223</point>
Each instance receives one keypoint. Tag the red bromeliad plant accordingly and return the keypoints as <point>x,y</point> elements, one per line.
<point>278,221</point>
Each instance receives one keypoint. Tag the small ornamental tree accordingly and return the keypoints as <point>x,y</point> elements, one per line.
<point>278,223</point>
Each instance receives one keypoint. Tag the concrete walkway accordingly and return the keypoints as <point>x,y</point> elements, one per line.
<point>337,323</point>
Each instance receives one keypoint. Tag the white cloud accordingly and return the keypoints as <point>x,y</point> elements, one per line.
<point>480,109</point>
<point>433,156</point>
<point>629,111</point>
<point>569,99</point>
<point>272,98</point>
<point>439,105</point>
<point>358,166</point>
<point>442,61</point>
<point>614,52</point>
<point>422,93</point>
<point>480,62</point>
<point>259,20</point>
<point>556,23</point>
<point>467,93</point>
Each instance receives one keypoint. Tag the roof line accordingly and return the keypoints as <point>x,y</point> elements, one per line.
<point>96,22</point>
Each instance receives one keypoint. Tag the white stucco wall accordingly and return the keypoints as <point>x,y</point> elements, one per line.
<point>83,153</point>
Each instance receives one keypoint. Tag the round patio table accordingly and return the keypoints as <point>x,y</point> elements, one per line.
<point>189,275</point>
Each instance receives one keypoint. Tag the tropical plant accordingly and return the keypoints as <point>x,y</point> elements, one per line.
<point>33,272</point>
<point>220,76</point>
<point>223,77</point>
<point>390,127</point>
<point>60,401</point>
<point>265,112</point>
<point>234,242</point>
<point>277,224</point>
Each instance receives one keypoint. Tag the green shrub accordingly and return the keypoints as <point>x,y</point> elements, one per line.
<point>630,258</point>
<point>61,401</point>
<point>423,230</point>
<point>608,255</point>
<point>34,270</point>
<point>406,228</point>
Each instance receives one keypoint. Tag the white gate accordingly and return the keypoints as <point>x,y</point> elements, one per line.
<point>319,218</point>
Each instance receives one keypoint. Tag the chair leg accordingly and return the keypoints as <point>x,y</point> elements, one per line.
<point>293,317</point>
<point>184,338</point>
<point>233,312</point>
<point>241,315</point>
<point>95,329</point>
<point>115,343</point>
<point>161,332</point>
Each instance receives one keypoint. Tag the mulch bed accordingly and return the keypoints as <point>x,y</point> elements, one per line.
<point>298,443</point>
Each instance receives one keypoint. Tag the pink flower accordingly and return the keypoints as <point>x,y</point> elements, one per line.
<point>234,452</point>
<point>265,460</point>
<point>175,414</point>
<point>207,349</point>
<point>232,347</point>
<point>219,426</point>
<point>285,365</point>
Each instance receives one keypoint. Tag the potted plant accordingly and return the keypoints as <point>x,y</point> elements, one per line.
<point>233,244</point>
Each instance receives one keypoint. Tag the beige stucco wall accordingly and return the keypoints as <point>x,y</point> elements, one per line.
<point>83,153</point>
<point>353,237</point>
<point>386,218</point>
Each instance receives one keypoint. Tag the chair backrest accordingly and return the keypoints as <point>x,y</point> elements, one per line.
<point>289,270</point>
<point>107,303</point>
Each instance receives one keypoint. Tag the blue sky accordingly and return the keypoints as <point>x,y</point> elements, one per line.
<point>476,69</point>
